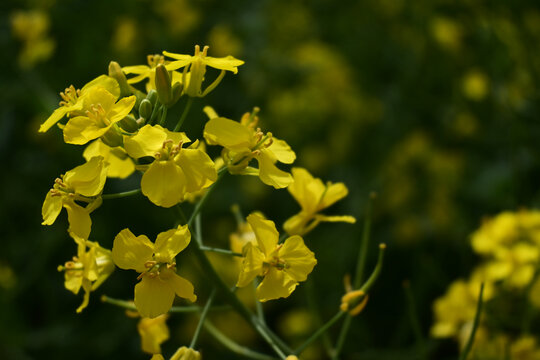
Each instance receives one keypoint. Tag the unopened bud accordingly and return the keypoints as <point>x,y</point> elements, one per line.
<point>152,96</point>
<point>115,71</point>
<point>185,353</point>
<point>163,85</point>
<point>145,109</point>
<point>112,137</point>
<point>129,123</point>
<point>177,91</point>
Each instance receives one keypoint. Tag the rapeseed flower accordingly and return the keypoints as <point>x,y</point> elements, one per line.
<point>74,100</point>
<point>243,141</point>
<point>149,72</point>
<point>102,113</point>
<point>120,164</point>
<point>313,196</point>
<point>283,266</point>
<point>196,65</point>
<point>155,293</point>
<point>89,269</point>
<point>175,171</point>
<point>81,184</point>
<point>153,333</point>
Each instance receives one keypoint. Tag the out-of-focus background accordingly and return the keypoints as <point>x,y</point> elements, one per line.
<point>431,104</point>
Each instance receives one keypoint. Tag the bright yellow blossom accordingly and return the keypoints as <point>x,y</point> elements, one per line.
<point>74,100</point>
<point>149,72</point>
<point>102,114</point>
<point>84,184</point>
<point>313,196</point>
<point>283,266</point>
<point>89,269</point>
<point>196,65</point>
<point>153,333</point>
<point>176,171</point>
<point>120,164</point>
<point>155,293</point>
<point>243,141</point>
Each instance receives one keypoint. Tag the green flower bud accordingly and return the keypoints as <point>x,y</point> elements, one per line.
<point>145,109</point>
<point>115,71</point>
<point>152,96</point>
<point>112,137</point>
<point>177,91</point>
<point>129,123</point>
<point>163,85</point>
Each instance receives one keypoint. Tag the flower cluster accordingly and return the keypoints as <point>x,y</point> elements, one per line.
<point>125,130</point>
<point>509,244</point>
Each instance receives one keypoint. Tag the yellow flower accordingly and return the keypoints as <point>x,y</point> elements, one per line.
<point>176,171</point>
<point>155,293</point>
<point>74,100</point>
<point>243,141</point>
<point>185,353</point>
<point>89,269</point>
<point>120,164</point>
<point>153,333</point>
<point>149,72</point>
<point>102,114</point>
<point>196,65</point>
<point>83,183</point>
<point>313,196</point>
<point>283,266</point>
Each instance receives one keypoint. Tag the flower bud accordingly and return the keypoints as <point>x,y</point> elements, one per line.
<point>152,96</point>
<point>163,85</point>
<point>145,109</point>
<point>177,91</point>
<point>185,353</point>
<point>115,71</point>
<point>129,123</point>
<point>112,137</point>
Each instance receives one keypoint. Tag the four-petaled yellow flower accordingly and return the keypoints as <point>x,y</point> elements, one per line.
<point>196,65</point>
<point>83,183</point>
<point>153,333</point>
<point>74,100</point>
<point>176,171</point>
<point>120,164</point>
<point>243,141</point>
<point>283,266</point>
<point>155,293</point>
<point>313,196</point>
<point>89,269</point>
<point>149,72</point>
<point>101,116</point>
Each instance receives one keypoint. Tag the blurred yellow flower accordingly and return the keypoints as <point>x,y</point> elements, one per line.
<point>176,171</point>
<point>283,266</point>
<point>89,269</point>
<point>155,293</point>
<point>185,353</point>
<point>83,183</point>
<point>153,333</point>
<point>243,141</point>
<point>313,196</point>
<point>475,85</point>
<point>31,27</point>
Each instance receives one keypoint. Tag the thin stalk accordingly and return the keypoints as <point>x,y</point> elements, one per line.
<point>220,251</point>
<point>163,116</point>
<point>233,346</point>
<point>184,114</point>
<point>175,309</point>
<point>201,202</point>
<point>155,110</point>
<point>202,319</point>
<point>258,304</point>
<point>198,231</point>
<point>319,332</point>
<point>364,245</point>
<point>470,341</point>
<point>121,194</point>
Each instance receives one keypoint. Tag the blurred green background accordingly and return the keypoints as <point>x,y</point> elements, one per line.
<point>431,104</point>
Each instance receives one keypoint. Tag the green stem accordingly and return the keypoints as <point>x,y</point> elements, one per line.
<point>120,195</point>
<point>319,332</point>
<point>220,251</point>
<point>413,317</point>
<point>258,304</point>
<point>364,245</point>
<point>470,341</point>
<point>233,346</point>
<point>201,202</point>
<point>163,115</point>
<point>367,285</point>
<point>175,309</point>
<point>155,110</point>
<point>314,309</point>
<point>202,319</point>
<point>184,114</point>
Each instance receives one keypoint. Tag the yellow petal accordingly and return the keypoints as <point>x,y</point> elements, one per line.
<point>56,116</point>
<point>282,151</point>
<point>122,108</point>
<point>270,174</point>
<point>86,298</point>
<point>182,287</point>
<point>334,193</point>
<point>79,220</point>
<point>229,134</point>
<point>170,243</point>
<point>147,142</point>
<point>199,170</point>
<point>136,69</point>
<point>51,208</point>
<point>153,333</point>
<point>104,81</point>
<point>73,280</point>
<point>153,296</point>
<point>306,189</point>
<point>164,183</point>
<point>299,259</point>
<point>296,224</point>
<point>276,284</point>
<point>228,63</point>
<point>80,130</point>
<point>252,266</point>
<point>97,95</point>
<point>337,218</point>
<point>130,252</point>
<point>87,179</point>
<point>265,232</point>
